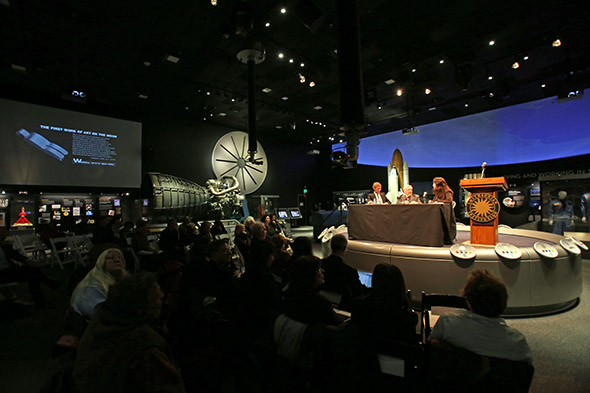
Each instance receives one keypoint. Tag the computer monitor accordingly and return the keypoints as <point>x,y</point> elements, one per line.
<point>294,212</point>
<point>282,214</point>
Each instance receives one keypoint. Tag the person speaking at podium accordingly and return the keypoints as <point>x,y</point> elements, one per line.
<point>377,197</point>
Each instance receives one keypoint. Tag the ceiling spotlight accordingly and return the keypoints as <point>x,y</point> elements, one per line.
<point>543,85</point>
<point>390,82</point>
<point>266,90</point>
<point>208,93</point>
<point>556,43</point>
<point>283,10</point>
<point>515,65</point>
<point>302,65</point>
<point>233,100</point>
<point>221,114</point>
<point>442,61</point>
<point>466,105</point>
<point>379,107</point>
<point>142,96</point>
<point>311,84</point>
<point>291,61</point>
<point>285,98</point>
<point>427,91</point>
<point>147,63</point>
<point>281,55</point>
<point>491,95</point>
<point>301,79</point>
<point>432,108</point>
<point>213,2</point>
<point>278,127</point>
<point>413,70</point>
<point>525,58</point>
<point>492,42</point>
<point>490,77</point>
<point>399,92</point>
<point>331,138</point>
<point>317,108</point>
<point>186,108</point>
<point>267,24</point>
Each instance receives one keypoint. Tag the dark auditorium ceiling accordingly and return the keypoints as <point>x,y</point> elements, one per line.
<point>178,58</point>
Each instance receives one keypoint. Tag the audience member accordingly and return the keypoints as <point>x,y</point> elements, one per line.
<point>258,231</point>
<point>385,312</point>
<point>188,231</point>
<point>93,288</point>
<point>282,256</point>
<point>33,276</point>
<point>303,303</point>
<point>480,329</point>
<point>241,239</point>
<point>259,293</point>
<point>202,241</point>
<point>218,229</point>
<point>121,351</point>
<point>339,277</point>
<point>170,242</point>
<point>150,258</point>
<point>248,222</point>
<point>125,233</point>
<point>408,196</point>
<point>442,191</point>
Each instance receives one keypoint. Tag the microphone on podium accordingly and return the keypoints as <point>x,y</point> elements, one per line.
<point>483,169</point>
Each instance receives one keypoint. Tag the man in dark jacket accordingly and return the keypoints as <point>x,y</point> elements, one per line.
<point>338,276</point>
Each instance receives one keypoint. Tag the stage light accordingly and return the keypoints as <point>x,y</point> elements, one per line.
<point>525,58</point>
<point>413,70</point>
<point>213,2</point>
<point>283,10</point>
<point>285,98</point>
<point>442,61</point>
<point>311,84</point>
<point>266,90</point>
<point>399,92</point>
<point>427,91</point>
<point>281,55</point>
<point>491,43</point>
<point>301,79</point>
<point>291,61</point>
<point>302,65</point>
<point>515,65</point>
<point>267,24</point>
<point>543,85</point>
<point>556,43</point>
<point>490,77</point>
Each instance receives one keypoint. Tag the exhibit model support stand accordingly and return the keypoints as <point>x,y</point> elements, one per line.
<point>483,208</point>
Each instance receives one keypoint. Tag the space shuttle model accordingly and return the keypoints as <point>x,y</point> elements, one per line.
<point>398,176</point>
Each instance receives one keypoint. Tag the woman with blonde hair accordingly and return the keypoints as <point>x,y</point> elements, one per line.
<point>93,288</point>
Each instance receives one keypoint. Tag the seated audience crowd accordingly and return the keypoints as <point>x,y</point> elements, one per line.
<point>197,319</point>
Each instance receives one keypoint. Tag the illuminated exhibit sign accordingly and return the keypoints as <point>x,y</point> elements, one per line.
<point>535,131</point>
<point>49,146</point>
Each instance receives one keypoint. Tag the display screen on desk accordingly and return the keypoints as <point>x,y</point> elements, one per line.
<point>50,146</point>
<point>283,214</point>
<point>295,213</point>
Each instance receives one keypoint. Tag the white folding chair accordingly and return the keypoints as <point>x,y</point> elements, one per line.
<point>62,255</point>
<point>31,246</point>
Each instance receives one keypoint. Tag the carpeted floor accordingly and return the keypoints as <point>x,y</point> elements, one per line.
<point>560,342</point>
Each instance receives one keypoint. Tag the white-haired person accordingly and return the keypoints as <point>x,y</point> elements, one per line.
<point>93,289</point>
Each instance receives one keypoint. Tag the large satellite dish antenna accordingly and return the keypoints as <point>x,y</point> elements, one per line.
<point>230,157</point>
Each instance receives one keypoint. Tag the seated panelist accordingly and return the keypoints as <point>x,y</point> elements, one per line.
<point>442,192</point>
<point>377,197</point>
<point>408,196</point>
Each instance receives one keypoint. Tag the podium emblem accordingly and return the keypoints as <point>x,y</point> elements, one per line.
<point>483,207</point>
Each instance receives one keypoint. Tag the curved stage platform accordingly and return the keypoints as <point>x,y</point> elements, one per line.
<point>536,285</point>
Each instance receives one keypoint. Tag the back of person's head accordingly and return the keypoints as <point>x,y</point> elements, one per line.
<point>339,243</point>
<point>485,293</point>
<point>205,228</point>
<point>303,275</point>
<point>215,246</point>
<point>239,229</point>
<point>135,295</point>
<point>301,246</point>
<point>249,221</point>
<point>260,258</point>
<point>279,241</point>
<point>258,230</point>
<point>389,287</point>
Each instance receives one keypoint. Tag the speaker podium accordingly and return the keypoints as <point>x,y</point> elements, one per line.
<point>483,208</point>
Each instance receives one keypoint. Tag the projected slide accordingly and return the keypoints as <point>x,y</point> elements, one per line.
<point>49,146</point>
<point>535,131</point>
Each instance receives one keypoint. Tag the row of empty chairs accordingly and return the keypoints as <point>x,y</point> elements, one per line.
<point>67,249</point>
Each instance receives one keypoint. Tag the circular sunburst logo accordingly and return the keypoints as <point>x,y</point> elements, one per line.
<point>483,207</point>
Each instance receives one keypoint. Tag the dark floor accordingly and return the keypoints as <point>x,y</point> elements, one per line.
<point>560,342</point>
